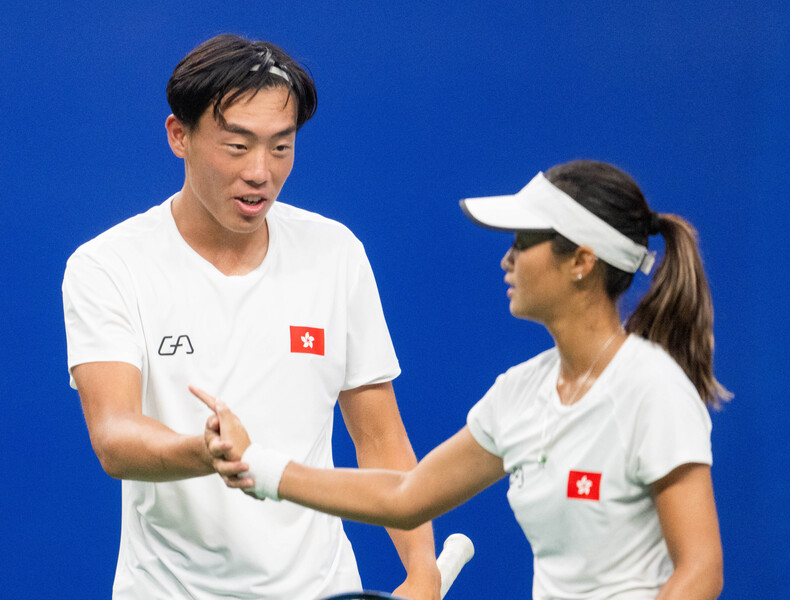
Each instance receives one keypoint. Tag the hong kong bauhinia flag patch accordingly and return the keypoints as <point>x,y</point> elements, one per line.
<point>584,486</point>
<point>307,340</point>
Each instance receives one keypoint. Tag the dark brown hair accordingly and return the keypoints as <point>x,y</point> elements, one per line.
<point>227,66</point>
<point>677,311</point>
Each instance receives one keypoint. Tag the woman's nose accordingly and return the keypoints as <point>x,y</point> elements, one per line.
<point>508,259</point>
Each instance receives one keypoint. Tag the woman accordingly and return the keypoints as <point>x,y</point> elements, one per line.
<point>605,437</point>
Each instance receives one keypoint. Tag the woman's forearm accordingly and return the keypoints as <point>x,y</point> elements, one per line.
<point>374,496</point>
<point>448,476</point>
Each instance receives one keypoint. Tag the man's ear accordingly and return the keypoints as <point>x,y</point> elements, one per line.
<point>583,262</point>
<point>176,135</point>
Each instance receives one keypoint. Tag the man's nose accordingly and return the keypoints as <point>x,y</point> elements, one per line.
<point>256,171</point>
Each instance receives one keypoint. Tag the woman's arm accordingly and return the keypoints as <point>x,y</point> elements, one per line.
<point>687,512</point>
<point>448,476</point>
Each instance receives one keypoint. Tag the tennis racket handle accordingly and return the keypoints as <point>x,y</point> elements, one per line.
<point>456,552</point>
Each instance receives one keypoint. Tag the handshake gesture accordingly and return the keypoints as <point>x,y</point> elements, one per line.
<point>241,464</point>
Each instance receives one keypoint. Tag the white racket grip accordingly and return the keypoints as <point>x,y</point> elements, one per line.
<point>456,552</point>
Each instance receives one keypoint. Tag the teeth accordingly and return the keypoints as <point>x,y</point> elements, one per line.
<point>251,199</point>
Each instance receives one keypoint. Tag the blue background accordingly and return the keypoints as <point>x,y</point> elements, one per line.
<point>420,104</point>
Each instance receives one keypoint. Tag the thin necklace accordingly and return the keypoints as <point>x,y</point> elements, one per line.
<point>589,371</point>
<point>542,457</point>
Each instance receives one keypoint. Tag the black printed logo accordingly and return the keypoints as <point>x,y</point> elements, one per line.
<point>517,477</point>
<point>168,347</point>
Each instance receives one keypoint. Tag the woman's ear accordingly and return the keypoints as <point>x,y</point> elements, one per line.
<point>582,263</point>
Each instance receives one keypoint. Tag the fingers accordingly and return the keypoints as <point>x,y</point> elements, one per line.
<point>222,424</point>
<point>232,473</point>
<point>212,423</point>
<point>213,403</point>
<point>206,398</point>
<point>240,483</point>
<point>218,448</point>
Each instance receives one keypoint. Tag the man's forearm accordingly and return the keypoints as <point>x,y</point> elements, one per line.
<point>416,547</point>
<point>129,444</point>
<point>141,448</point>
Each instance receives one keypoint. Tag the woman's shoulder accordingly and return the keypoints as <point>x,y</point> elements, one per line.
<point>649,376</point>
<point>648,362</point>
<point>531,371</point>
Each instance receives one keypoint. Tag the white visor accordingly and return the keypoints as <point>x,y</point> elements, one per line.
<point>541,206</point>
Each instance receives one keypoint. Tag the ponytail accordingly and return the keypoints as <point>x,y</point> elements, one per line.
<point>677,310</point>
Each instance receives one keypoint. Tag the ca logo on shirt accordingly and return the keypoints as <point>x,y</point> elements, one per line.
<point>307,340</point>
<point>584,486</point>
<point>171,344</point>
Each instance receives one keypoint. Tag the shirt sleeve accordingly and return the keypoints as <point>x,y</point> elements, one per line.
<point>481,420</point>
<point>370,355</point>
<point>672,428</point>
<point>98,311</point>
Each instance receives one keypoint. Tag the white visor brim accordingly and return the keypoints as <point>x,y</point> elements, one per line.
<point>540,206</point>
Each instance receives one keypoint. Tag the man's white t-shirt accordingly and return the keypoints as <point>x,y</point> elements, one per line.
<point>277,345</point>
<point>587,511</point>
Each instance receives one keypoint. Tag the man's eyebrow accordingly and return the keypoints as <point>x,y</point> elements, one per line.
<point>238,129</point>
<point>285,132</point>
<point>233,128</point>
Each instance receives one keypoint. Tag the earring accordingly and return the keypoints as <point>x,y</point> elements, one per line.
<point>579,276</point>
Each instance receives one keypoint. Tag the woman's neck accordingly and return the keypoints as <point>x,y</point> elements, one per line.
<point>586,342</point>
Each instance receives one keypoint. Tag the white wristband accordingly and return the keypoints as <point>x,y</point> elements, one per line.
<point>266,468</point>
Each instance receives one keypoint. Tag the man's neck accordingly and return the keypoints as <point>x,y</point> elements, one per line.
<point>231,253</point>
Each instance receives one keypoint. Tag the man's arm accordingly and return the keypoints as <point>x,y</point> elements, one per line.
<point>374,423</point>
<point>130,445</point>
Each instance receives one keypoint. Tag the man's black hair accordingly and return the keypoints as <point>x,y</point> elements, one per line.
<point>228,66</point>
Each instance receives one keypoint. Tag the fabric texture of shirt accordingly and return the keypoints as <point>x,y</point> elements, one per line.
<point>587,511</point>
<point>140,294</point>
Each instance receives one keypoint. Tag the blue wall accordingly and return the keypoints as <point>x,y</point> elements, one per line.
<point>420,104</point>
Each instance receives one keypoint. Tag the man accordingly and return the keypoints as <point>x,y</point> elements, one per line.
<point>273,308</point>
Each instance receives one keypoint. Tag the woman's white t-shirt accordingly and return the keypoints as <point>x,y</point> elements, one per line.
<point>587,509</point>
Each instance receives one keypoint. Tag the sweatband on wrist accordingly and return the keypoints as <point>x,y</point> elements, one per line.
<point>266,468</point>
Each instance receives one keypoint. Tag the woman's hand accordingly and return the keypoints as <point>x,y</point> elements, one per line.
<point>226,440</point>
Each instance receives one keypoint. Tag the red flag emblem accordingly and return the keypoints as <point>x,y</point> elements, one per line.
<point>584,486</point>
<point>307,340</point>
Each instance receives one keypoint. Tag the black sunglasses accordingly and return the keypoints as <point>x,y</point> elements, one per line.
<point>526,239</point>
